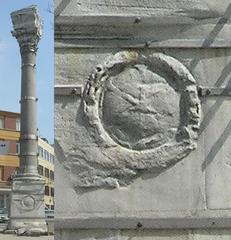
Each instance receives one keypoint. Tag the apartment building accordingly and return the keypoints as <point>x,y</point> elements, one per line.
<point>46,170</point>
<point>9,149</point>
<point>9,159</point>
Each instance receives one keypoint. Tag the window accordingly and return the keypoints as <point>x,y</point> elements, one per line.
<point>52,192</point>
<point>51,175</point>
<point>4,147</point>
<point>47,172</point>
<point>46,153</point>
<point>40,170</point>
<point>47,191</point>
<point>1,173</point>
<point>2,122</point>
<point>18,124</point>
<point>40,151</point>
<point>52,159</point>
<point>1,201</point>
<point>17,147</point>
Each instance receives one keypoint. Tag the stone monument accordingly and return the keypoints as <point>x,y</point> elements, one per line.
<point>142,119</point>
<point>27,210</point>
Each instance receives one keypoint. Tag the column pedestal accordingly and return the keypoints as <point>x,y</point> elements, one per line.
<point>27,205</point>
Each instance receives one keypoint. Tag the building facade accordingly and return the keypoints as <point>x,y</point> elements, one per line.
<point>9,159</point>
<point>46,170</point>
<point>9,149</point>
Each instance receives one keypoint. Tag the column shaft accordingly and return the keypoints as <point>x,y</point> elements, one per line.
<point>28,136</point>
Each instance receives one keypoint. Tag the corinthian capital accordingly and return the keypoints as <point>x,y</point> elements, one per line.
<point>27,28</point>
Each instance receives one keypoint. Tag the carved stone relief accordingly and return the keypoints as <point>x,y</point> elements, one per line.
<point>28,202</point>
<point>143,115</point>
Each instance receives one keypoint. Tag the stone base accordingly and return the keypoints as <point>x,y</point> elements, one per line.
<point>27,209</point>
<point>164,234</point>
<point>29,228</point>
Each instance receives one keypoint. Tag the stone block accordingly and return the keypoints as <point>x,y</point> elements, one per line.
<point>217,161</point>
<point>123,235</point>
<point>34,232</point>
<point>211,234</point>
<point>27,204</point>
<point>9,231</point>
<point>21,231</point>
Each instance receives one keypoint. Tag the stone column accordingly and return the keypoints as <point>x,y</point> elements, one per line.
<point>27,199</point>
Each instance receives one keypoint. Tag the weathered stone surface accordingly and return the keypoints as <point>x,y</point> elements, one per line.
<point>27,27</point>
<point>124,235</point>
<point>21,231</point>
<point>197,234</point>
<point>148,194</point>
<point>127,105</point>
<point>191,8</point>
<point>7,231</point>
<point>146,120</point>
<point>217,162</point>
<point>210,67</point>
<point>212,234</point>
<point>34,232</point>
<point>27,205</point>
<point>188,195</point>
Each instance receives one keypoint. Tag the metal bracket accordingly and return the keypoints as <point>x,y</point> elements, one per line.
<point>214,91</point>
<point>68,90</point>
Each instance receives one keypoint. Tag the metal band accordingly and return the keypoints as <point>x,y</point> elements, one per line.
<point>28,154</point>
<point>28,64</point>
<point>68,90</point>
<point>29,137</point>
<point>28,98</point>
<point>213,91</point>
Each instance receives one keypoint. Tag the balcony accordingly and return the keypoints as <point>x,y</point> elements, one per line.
<point>9,160</point>
<point>8,134</point>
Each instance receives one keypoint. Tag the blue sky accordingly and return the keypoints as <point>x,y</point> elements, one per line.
<point>10,64</point>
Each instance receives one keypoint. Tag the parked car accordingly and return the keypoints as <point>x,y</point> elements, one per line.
<point>49,213</point>
<point>3,215</point>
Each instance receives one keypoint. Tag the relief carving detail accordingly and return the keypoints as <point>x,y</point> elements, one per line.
<point>143,114</point>
<point>28,202</point>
